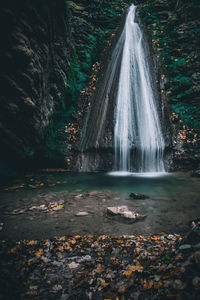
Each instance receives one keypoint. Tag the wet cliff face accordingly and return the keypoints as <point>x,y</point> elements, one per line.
<point>173,27</point>
<point>48,49</point>
<point>35,55</point>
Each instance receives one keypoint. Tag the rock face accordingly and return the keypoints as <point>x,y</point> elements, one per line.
<point>173,26</point>
<point>47,52</point>
<point>46,57</point>
<point>35,58</point>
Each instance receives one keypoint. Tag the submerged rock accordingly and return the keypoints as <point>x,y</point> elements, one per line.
<point>124,212</point>
<point>138,196</point>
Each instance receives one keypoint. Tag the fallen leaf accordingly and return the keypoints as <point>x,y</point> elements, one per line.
<point>39,253</point>
<point>103,283</point>
<point>157,285</point>
<point>99,269</point>
<point>132,269</point>
<point>147,284</point>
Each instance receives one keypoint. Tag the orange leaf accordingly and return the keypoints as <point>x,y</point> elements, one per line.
<point>132,269</point>
<point>39,253</point>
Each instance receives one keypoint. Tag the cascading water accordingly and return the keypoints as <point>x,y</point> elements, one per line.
<point>137,126</point>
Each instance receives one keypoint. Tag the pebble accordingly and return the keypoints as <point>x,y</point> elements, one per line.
<point>78,197</point>
<point>81,214</point>
<point>85,258</point>
<point>73,265</point>
<point>179,285</point>
<point>185,246</point>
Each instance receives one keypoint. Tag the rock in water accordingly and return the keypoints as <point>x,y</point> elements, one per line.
<point>81,214</point>
<point>138,196</point>
<point>115,210</point>
<point>124,212</point>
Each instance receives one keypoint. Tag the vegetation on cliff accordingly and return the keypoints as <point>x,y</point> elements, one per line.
<point>50,50</point>
<point>174,27</point>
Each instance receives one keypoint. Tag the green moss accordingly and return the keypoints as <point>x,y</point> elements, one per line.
<point>188,113</point>
<point>174,35</point>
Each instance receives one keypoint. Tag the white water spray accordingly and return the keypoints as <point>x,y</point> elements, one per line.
<point>137,126</point>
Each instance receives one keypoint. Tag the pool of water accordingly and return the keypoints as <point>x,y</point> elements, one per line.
<point>173,202</point>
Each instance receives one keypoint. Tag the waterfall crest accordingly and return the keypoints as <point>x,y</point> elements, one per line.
<point>137,125</point>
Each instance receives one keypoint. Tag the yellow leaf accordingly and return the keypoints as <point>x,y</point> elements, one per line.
<point>77,236</point>
<point>39,253</point>
<point>68,248</point>
<point>132,269</point>
<point>31,243</point>
<point>119,241</point>
<point>31,293</point>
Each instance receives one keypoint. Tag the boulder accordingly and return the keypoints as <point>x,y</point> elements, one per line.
<point>138,196</point>
<point>124,212</point>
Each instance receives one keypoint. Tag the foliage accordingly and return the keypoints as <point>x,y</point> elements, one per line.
<point>173,28</point>
<point>90,29</point>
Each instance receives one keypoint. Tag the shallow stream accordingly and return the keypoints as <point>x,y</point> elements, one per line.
<point>29,209</point>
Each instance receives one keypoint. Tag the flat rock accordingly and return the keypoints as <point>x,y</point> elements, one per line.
<point>78,197</point>
<point>124,212</point>
<point>81,214</point>
<point>115,210</point>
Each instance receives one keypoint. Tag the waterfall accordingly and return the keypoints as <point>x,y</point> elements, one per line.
<point>137,126</point>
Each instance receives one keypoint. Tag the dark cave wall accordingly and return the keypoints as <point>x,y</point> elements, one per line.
<point>48,49</point>
<point>35,54</point>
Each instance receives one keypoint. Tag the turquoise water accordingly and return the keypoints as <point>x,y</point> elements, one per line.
<point>173,202</point>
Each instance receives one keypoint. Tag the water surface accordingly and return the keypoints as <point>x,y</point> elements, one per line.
<point>173,201</point>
